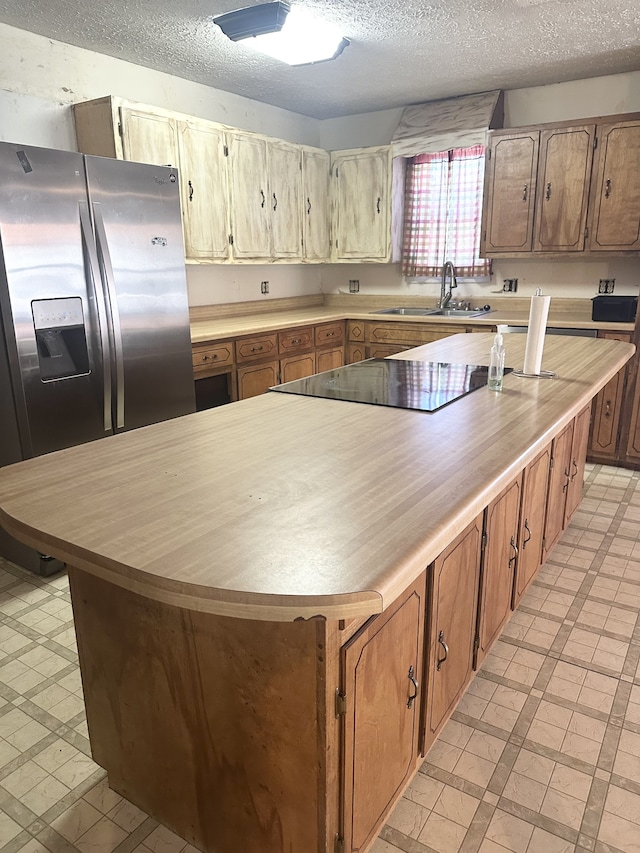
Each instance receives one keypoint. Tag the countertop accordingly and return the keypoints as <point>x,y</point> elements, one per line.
<point>211,323</point>
<point>283,507</point>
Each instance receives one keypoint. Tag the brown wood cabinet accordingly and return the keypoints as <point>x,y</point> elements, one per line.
<point>545,192</point>
<point>381,682</point>
<point>535,484</point>
<point>453,603</point>
<point>566,479</point>
<point>498,567</point>
<point>615,194</point>
<point>606,413</point>
<point>255,379</point>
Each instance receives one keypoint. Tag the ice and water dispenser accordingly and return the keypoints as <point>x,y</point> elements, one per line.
<point>61,338</point>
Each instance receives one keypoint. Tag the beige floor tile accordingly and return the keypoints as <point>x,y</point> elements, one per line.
<point>442,834</point>
<point>443,755</point>
<point>8,829</point>
<point>103,837</point>
<point>525,791</point>
<point>44,795</point>
<point>456,806</point>
<point>544,842</point>
<point>424,790</point>
<point>22,780</point>
<point>381,846</point>
<point>162,840</point>
<point>534,766</point>
<point>76,820</point>
<point>408,817</point>
<point>509,832</point>
<point>570,781</point>
<point>619,833</point>
<point>474,769</point>
<point>563,808</point>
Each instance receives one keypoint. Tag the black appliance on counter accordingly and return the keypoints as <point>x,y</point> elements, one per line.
<point>614,309</point>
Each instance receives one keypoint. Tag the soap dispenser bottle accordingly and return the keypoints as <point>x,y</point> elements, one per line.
<point>496,364</point>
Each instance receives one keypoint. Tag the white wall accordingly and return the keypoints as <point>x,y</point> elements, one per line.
<point>41,78</point>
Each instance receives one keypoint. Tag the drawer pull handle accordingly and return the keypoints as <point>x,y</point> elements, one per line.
<point>296,341</point>
<point>607,411</point>
<point>525,191</point>
<point>607,191</point>
<point>262,203</point>
<point>378,205</point>
<point>528,529</point>
<point>440,661</point>
<point>210,357</point>
<point>566,484</point>
<point>573,476</point>
<point>412,678</point>
<point>258,348</point>
<point>308,205</point>
<point>275,201</point>
<point>548,193</point>
<point>190,191</point>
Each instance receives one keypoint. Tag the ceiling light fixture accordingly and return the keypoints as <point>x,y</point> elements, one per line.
<point>291,35</point>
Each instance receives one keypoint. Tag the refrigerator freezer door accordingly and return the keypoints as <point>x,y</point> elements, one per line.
<point>136,214</point>
<point>47,303</point>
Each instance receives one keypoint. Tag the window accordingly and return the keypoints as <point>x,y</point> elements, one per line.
<point>443,213</point>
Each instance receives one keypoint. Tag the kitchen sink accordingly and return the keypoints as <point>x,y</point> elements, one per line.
<point>435,312</point>
<point>460,312</point>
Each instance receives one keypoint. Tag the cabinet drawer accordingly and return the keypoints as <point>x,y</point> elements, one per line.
<point>409,334</point>
<point>355,330</point>
<point>329,333</point>
<point>212,356</point>
<point>295,340</point>
<point>261,346</point>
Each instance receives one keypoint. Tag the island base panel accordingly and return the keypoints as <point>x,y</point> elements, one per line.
<point>214,726</point>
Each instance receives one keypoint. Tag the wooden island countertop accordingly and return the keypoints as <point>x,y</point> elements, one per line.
<point>283,507</point>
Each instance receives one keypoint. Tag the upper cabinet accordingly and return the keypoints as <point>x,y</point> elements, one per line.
<point>316,238</point>
<point>242,194</point>
<point>361,204</point>
<point>615,196</point>
<point>546,192</point>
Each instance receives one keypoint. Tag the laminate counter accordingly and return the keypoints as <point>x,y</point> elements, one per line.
<point>285,507</point>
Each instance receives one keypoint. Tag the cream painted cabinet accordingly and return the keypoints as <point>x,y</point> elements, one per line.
<point>266,208</point>
<point>361,204</point>
<point>284,167</point>
<point>315,204</point>
<point>249,190</point>
<point>149,138</point>
<point>203,172</point>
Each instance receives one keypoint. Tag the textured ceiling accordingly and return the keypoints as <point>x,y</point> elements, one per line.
<point>401,52</point>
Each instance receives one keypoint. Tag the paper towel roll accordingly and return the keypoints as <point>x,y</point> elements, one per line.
<point>535,335</point>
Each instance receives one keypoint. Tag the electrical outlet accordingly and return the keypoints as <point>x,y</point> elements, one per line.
<point>510,285</point>
<point>354,285</point>
<point>264,287</point>
<point>606,285</point>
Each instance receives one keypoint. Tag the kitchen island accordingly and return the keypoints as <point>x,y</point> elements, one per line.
<point>262,592</point>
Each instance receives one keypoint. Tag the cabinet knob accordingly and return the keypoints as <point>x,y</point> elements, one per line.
<point>440,661</point>
<point>412,678</point>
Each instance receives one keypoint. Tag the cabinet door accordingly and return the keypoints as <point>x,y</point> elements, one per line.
<point>577,462</point>
<point>257,378</point>
<point>315,205</point>
<point>563,188</point>
<point>203,177</point>
<point>285,191</point>
<point>380,666</point>
<point>509,194</point>
<point>615,205</point>
<point>249,189</point>
<point>498,566</point>
<point>531,531</point>
<point>356,352</point>
<point>558,484</point>
<point>329,359</point>
<point>361,188</point>
<point>297,366</point>
<point>149,138</point>
<point>606,411</point>
<point>453,582</point>
<point>633,442</point>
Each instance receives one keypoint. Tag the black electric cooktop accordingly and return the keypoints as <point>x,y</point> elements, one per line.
<point>422,385</point>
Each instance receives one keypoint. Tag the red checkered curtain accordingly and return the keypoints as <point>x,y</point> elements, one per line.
<point>443,213</point>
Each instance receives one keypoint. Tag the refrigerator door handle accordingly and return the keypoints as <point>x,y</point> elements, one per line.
<point>96,282</point>
<point>107,268</point>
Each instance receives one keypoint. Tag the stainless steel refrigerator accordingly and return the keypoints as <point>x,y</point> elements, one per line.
<point>94,331</point>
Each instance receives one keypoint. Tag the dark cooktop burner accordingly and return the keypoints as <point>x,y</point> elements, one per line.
<point>423,385</point>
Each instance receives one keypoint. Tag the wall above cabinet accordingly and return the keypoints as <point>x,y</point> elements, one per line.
<point>571,187</point>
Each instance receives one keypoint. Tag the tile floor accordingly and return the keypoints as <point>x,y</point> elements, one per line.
<point>541,756</point>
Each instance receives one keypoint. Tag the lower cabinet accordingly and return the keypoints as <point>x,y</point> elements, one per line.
<point>566,478</point>
<point>499,560</point>
<point>381,674</point>
<point>451,626</point>
<point>535,484</point>
<point>257,378</point>
<point>606,420</point>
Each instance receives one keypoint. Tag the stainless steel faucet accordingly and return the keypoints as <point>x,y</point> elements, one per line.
<point>445,296</point>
